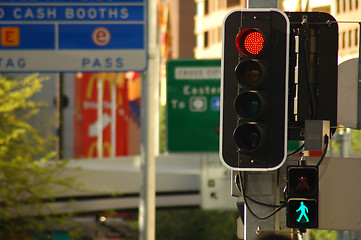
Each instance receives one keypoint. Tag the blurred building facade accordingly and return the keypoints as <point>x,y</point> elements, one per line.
<point>348,14</point>
<point>208,25</point>
<point>210,14</point>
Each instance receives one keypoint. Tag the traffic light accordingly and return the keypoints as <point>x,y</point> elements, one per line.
<point>302,197</point>
<point>254,89</point>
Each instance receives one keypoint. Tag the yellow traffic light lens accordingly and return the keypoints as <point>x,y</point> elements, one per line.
<point>250,41</point>
<point>250,73</point>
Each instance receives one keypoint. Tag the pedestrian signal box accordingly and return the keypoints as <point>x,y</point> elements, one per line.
<point>302,197</point>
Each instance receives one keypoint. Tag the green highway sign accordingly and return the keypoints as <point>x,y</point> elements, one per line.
<point>193,105</point>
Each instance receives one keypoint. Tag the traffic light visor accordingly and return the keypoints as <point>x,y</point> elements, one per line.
<point>250,42</point>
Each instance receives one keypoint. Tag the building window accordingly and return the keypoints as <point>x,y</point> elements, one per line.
<point>356,4</point>
<point>349,38</point>
<point>338,6</point>
<point>343,40</point>
<point>206,39</point>
<point>344,5</point>
<point>350,4</point>
<point>206,7</point>
<point>232,3</point>
<point>356,37</point>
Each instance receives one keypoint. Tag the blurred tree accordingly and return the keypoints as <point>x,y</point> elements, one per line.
<point>27,176</point>
<point>323,234</point>
<point>162,130</point>
<point>356,140</point>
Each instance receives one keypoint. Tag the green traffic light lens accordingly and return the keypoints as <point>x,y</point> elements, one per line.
<point>248,137</point>
<point>249,73</point>
<point>249,105</point>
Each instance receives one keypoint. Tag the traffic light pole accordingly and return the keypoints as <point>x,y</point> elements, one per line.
<point>149,103</point>
<point>263,186</point>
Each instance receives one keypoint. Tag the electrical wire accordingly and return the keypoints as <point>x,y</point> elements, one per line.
<point>240,185</point>
<point>252,199</point>
<point>312,95</point>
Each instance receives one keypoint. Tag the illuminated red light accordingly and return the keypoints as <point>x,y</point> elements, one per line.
<point>254,43</point>
<point>250,42</point>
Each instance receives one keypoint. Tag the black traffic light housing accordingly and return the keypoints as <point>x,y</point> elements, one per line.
<point>302,197</point>
<point>313,71</point>
<point>254,90</point>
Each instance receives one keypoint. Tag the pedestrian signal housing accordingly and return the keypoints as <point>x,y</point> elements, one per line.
<point>302,194</point>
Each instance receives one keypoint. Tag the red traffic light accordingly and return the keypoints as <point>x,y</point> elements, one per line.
<point>250,42</point>
<point>254,87</point>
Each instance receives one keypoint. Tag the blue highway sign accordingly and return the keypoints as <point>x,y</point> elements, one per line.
<point>70,36</point>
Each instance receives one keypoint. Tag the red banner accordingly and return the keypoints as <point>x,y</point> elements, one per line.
<point>87,88</point>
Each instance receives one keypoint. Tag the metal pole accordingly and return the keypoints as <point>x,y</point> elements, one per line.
<point>149,103</point>
<point>100,117</point>
<point>114,116</point>
<point>262,186</point>
<point>60,106</point>
<point>356,235</point>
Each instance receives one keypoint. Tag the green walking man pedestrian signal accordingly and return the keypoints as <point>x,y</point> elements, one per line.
<point>302,197</point>
<point>304,210</point>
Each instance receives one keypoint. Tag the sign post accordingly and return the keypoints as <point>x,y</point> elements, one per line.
<point>70,36</point>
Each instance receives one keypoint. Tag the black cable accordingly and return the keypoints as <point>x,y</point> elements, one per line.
<point>304,37</point>
<point>245,197</point>
<point>296,151</point>
<point>324,150</point>
<point>254,200</point>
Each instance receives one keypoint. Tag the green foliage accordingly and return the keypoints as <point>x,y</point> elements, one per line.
<point>162,130</point>
<point>323,234</point>
<point>196,224</point>
<point>356,140</point>
<point>27,176</point>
